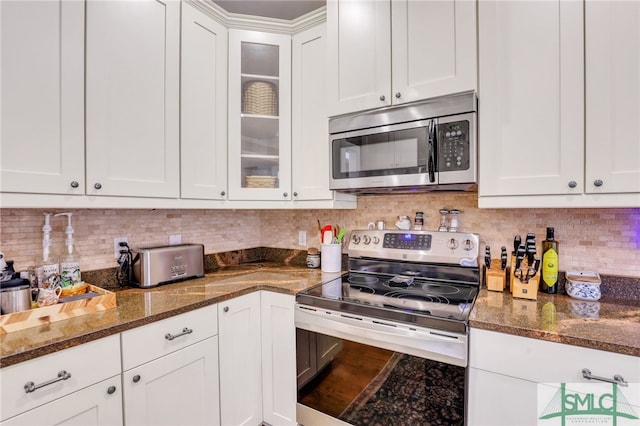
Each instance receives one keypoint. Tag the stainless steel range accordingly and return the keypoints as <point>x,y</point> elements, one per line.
<point>407,296</point>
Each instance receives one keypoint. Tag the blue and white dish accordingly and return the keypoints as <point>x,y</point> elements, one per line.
<point>583,285</point>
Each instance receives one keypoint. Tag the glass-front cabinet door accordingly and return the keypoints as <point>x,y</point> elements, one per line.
<point>259,116</point>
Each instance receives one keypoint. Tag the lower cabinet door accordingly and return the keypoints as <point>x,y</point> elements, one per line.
<point>240,360</point>
<point>98,404</point>
<point>181,388</point>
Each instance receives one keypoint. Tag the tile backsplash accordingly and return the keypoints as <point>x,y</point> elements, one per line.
<point>603,240</point>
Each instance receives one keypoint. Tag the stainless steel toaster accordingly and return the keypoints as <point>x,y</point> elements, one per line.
<point>153,266</point>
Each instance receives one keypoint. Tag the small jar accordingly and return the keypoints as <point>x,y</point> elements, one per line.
<point>313,258</point>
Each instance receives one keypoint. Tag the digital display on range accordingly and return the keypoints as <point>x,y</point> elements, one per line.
<point>407,241</point>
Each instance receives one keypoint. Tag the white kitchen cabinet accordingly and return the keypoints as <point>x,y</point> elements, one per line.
<point>132,98</point>
<point>42,97</point>
<point>179,388</point>
<point>612,81</point>
<point>203,142</point>
<point>278,358</point>
<point>96,405</point>
<point>240,360</point>
<point>538,77</point>
<point>259,116</point>
<point>508,374</point>
<point>81,391</point>
<point>170,371</point>
<point>396,51</point>
<point>310,123</point>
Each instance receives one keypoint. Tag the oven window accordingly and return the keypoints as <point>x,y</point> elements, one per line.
<point>398,152</point>
<point>365,385</point>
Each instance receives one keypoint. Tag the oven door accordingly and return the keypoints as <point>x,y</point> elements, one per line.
<point>394,155</point>
<point>359,370</point>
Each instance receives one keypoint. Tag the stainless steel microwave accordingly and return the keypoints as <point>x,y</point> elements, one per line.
<point>426,145</point>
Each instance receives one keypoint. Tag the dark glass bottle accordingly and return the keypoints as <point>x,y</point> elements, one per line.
<point>549,274</point>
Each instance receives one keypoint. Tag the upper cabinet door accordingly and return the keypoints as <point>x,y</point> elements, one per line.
<point>612,96</point>
<point>203,144</point>
<point>310,124</point>
<point>259,116</point>
<point>42,97</point>
<point>359,60</point>
<point>531,97</point>
<point>132,100</point>
<point>433,47</point>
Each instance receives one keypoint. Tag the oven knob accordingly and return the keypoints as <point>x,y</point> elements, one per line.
<point>452,244</point>
<point>366,239</point>
<point>356,239</point>
<point>468,245</point>
<point>376,240</point>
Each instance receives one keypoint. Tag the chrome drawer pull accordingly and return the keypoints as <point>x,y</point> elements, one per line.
<point>586,373</point>
<point>32,387</point>
<point>185,330</point>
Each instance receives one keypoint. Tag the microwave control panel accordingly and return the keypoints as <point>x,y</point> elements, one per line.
<point>453,146</point>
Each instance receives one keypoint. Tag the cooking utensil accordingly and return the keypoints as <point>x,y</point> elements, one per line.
<point>327,234</point>
<point>15,295</point>
<point>340,235</point>
<point>516,243</point>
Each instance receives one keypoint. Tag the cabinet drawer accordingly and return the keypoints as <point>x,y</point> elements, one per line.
<point>152,341</point>
<point>87,364</point>
<point>545,362</point>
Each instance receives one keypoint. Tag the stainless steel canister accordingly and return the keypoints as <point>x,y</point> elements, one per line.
<point>15,298</point>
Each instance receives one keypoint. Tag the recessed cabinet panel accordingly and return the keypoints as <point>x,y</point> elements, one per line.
<point>132,70</point>
<point>203,144</point>
<point>531,97</point>
<point>612,97</point>
<point>42,97</point>
<point>433,48</point>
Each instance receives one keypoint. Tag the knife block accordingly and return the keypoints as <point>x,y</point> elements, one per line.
<point>496,278</point>
<point>519,289</point>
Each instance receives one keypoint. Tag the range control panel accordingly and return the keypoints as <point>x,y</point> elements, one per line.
<point>457,248</point>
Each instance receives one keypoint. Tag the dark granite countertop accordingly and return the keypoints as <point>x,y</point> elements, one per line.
<point>136,307</point>
<point>610,325</point>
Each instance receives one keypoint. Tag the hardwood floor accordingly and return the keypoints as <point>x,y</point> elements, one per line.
<point>344,378</point>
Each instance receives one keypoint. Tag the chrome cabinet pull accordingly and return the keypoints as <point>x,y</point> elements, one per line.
<point>573,184</point>
<point>586,373</point>
<point>136,378</point>
<point>75,184</point>
<point>97,185</point>
<point>32,387</point>
<point>185,330</point>
<point>382,98</point>
<point>222,193</point>
<point>285,194</point>
<point>226,309</point>
<point>398,94</point>
<point>111,390</point>
<point>598,183</point>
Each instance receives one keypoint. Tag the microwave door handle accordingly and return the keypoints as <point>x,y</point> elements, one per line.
<point>431,161</point>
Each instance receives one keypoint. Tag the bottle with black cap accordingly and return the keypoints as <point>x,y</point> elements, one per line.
<point>549,275</point>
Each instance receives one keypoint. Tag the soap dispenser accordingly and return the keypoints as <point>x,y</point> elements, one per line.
<point>47,265</point>
<point>69,258</point>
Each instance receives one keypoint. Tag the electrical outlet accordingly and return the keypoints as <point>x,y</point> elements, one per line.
<point>116,246</point>
<point>302,238</point>
<point>175,239</point>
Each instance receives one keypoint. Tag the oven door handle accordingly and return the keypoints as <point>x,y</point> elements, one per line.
<point>435,344</point>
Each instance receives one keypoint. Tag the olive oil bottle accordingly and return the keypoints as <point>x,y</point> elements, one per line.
<point>549,276</point>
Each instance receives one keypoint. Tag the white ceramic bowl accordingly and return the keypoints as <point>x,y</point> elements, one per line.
<point>583,285</point>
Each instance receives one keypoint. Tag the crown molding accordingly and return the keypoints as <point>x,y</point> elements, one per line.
<point>259,23</point>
